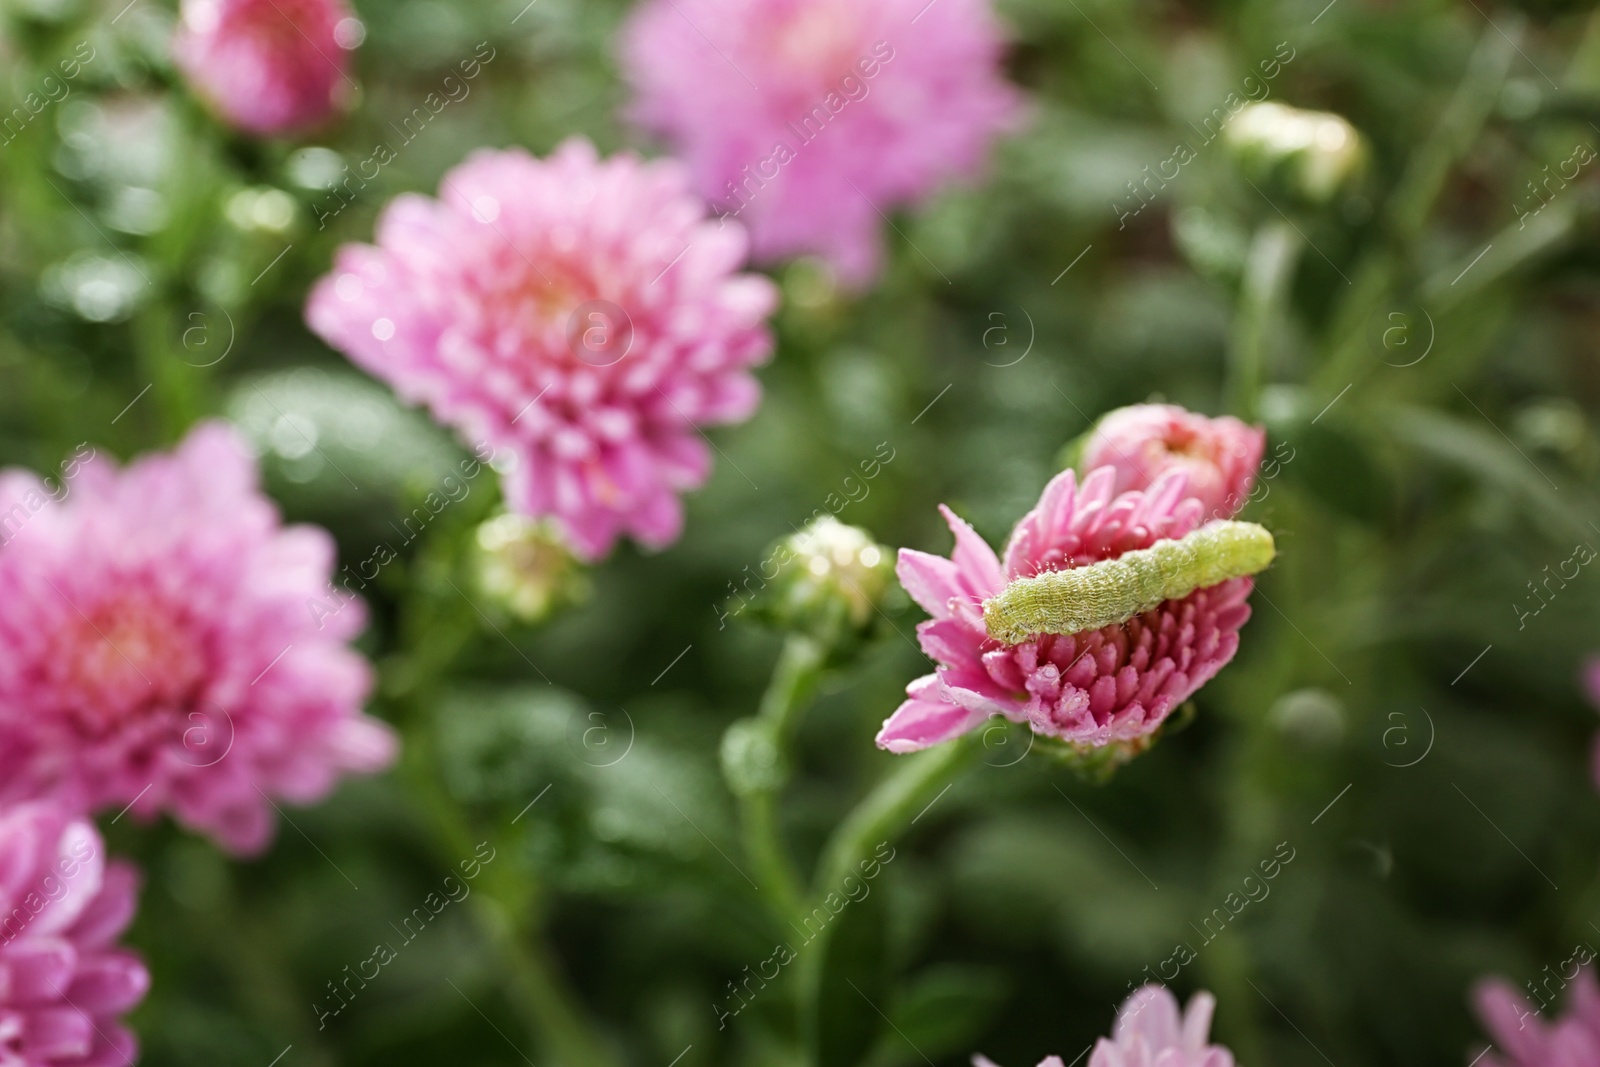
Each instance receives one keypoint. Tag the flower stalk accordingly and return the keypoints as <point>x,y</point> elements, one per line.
<point>510,918</point>
<point>508,909</point>
<point>894,803</point>
<point>756,762</point>
<point>1269,274</point>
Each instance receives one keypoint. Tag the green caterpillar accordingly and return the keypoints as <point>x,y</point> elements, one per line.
<point>1115,590</point>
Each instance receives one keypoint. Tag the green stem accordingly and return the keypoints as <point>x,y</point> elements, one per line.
<point>1412,201</point>
<point>881,816</point>
<point>507,905</point>
<point>542,991</point>
<point>509,918</point>
<point>175,386</point>
<point>758,814</point>
<point>891,806</point>
<point>1267,277</point>
<point>794,680</point>
<point>1583,71</point>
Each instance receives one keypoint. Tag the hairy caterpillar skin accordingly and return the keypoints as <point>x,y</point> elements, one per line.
<point>1115,590</point>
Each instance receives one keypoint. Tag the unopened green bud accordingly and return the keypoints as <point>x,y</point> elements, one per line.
<point>1309,155</point>
<point>525,567</point>
<point>830,581</point>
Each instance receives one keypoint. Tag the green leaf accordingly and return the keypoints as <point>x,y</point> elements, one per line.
<point>1486,455</point>
<point>502,746</point>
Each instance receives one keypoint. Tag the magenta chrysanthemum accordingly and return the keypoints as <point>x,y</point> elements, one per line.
<point>268,66</point>
<point>1526,1040</point>
<point>807,118</point>
<point>582,314</point>
<point>63,981</point>
<point>1152,1032</point>
<point>1118,683</point>
<point>1145,441</point>
<point>160,646</point>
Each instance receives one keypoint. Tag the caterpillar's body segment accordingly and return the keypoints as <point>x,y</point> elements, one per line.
<point>1115,590</point>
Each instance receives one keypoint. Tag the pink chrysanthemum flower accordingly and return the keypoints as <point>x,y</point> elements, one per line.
<point>1118,683</point>
<point>809,118</point>
<point>161,646</point>
<point>1526,1040</point>
<point>1152,1032</point>
<point>582,314</point>
<point>269,66</point>
<point>1591,683</point>
<point>63,982</point>
<point>1145,441</point>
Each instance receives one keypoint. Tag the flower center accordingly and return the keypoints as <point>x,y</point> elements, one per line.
<point>1186,446</point>
<point>547,294</point>
<point>123,655</point>
<point>818,42</point>
<point>558,289</point>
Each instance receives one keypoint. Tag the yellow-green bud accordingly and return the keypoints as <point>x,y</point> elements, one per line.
<point>830,581</point>
<point>1311,155</point>
<point>525,567</point>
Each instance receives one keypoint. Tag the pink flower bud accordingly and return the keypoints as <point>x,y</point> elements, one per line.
<point>1111,686</point>
<point>1143,442</point>
<point>269,66</point>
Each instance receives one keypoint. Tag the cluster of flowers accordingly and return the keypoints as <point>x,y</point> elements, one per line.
<point>587,315</point>
<point>156,655</point>
<point>584,314</point>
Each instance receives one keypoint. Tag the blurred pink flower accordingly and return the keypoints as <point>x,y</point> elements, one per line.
<point>268,66</point>
<point>1152,1032</point>
<point>1526,1040</point>
<point>1591,684</point>
<point>1145,441</point>
<point>582,314</point>
<point>1117,683</point>
<point>808,118</point>
<point>61,908</point>
<point>161,647</point>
